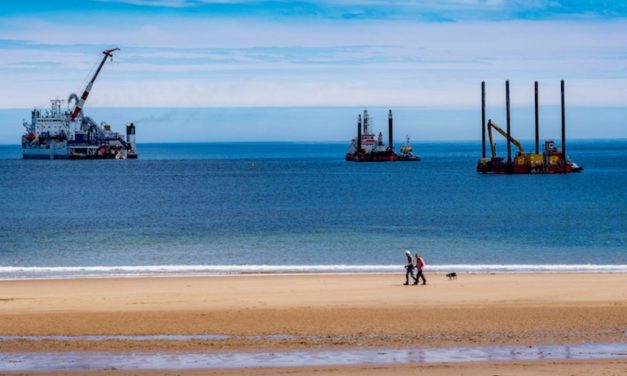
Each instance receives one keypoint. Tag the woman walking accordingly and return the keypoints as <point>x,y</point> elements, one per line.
<point>420,264</point>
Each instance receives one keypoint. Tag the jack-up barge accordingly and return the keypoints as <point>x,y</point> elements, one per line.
<point>364,148</point>
<point>552,160</point>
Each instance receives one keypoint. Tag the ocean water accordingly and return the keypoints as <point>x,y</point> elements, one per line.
<point>285,207</point>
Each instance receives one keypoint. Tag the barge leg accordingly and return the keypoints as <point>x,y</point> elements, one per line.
<point>509,144</point>
<point>482,119</point>
<point>390,131</point>
<point>359,135</point>
<point>537,119</point>
<point>563,129</point>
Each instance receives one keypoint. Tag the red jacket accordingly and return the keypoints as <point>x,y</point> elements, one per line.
<point>420,263</point>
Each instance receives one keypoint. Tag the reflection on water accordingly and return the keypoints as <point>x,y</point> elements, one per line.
<point>172,360</point>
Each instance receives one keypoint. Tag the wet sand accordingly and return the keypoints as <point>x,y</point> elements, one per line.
<point>535,368</point>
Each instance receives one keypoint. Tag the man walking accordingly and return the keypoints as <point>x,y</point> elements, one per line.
<point>420,264</point>
<point>409,268</point>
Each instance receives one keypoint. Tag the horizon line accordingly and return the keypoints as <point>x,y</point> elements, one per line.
<point>334,142</point>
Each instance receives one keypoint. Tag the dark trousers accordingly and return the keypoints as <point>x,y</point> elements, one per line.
<point>419,275</point>
<point>409,273</point>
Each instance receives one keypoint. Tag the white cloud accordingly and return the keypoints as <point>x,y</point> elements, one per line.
<point>258,63</point>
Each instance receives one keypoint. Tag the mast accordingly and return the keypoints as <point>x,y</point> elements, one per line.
<point>81,102</point>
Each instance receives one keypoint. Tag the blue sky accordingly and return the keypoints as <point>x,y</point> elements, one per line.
<point>353,53</point>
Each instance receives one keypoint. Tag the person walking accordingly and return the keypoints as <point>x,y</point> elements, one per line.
<point>420,264</point>
<point>409,268</point>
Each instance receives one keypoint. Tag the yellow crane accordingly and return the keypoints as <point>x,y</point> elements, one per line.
<point>504,134</point>
<point>530,160</point>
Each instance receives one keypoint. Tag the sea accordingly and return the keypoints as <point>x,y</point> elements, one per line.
<point>231,208</point>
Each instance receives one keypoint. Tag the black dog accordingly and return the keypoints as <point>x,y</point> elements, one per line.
<point>451,276</point>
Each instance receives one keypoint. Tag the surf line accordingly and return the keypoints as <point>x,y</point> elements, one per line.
<point>52,272</point>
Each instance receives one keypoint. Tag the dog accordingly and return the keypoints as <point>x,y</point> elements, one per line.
<point>451,276</point>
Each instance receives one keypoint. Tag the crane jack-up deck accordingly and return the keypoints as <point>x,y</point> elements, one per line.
<point>551,160</point>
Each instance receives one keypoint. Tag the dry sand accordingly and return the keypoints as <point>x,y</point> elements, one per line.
<point>337,310</point>
<point>349,309</point>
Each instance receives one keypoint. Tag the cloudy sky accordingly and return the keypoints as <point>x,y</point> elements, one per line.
<point>329,53</point>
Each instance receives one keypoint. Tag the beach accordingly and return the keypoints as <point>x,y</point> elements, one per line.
<point>310,312</point>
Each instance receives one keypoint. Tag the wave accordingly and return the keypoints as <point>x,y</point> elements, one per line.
<point>33,272</point>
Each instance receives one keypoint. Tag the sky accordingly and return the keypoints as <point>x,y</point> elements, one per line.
<point>337,54</point>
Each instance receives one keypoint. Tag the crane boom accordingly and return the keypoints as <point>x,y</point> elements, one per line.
<point>79,106</point>
<point>504,134</point>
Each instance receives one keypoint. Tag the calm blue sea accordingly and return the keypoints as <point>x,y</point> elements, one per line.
<point>282,207</point>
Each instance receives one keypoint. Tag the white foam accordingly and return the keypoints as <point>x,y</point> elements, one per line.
<point>33,272</point>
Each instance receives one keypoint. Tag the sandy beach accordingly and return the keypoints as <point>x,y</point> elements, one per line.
<point>318,311</point>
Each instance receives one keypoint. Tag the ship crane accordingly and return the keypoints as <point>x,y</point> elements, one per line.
<point>511,139</point>
<point>79,105</point>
